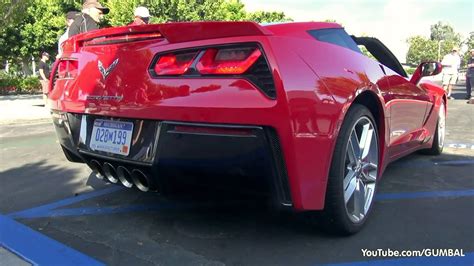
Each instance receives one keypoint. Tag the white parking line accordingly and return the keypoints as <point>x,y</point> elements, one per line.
<point>461,146</point>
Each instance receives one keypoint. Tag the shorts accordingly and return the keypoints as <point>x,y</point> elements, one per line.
<point>449,79</point>
<point>45,86</point>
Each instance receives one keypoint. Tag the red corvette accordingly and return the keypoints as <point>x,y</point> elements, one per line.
<point>292,110</point>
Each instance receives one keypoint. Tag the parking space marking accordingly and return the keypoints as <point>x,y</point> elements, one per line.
<point>467,260</point>
<point>423,164</point>
<point>125,209</point>
<point>37,248</point>
<point>425,194</point>
<point>468,146</point>
<point>41,212</point>
<point>68,201</point>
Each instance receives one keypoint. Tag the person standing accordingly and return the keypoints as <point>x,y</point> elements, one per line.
<point>70,16</point>
<point>44,73</point>
<point>451,63</point>
<point>92,13</point>
<point>142,16</point>
<point>470,75</point>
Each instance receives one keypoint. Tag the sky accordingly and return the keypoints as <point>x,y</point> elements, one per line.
<point>391,21</point>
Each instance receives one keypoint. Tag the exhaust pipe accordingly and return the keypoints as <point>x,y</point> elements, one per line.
<point>97,169</point>
<point>142,181</point>
<point>125,176</point>
<point>110,173</point>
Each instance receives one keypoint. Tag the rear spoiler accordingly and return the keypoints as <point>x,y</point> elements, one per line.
<point>172,32</point>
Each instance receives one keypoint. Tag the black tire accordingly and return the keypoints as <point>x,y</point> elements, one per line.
<point>436,147</point>
<point>335,216</point>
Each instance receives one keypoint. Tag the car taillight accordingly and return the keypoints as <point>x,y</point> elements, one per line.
<point>67,69</point>
<point>243,61</point>
<point>230,61</point>
<point>69,46</point>
<point>174,64</point>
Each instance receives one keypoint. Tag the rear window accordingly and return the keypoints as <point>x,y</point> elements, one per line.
<point>335,36</point>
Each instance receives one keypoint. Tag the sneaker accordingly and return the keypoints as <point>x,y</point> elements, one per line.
<point>450,98</point>
<point>467,97</point>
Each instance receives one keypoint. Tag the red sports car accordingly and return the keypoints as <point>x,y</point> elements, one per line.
<point>292,110</point>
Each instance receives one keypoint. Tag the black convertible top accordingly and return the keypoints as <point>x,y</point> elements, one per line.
<point>381,53</point>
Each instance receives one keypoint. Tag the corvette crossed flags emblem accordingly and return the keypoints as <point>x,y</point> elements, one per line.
<point>106,71</point>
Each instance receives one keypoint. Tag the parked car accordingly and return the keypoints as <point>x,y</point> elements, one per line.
<point>293,110</point>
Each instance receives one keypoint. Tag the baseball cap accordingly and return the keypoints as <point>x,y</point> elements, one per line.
<point>455,48</point>
<point>142,12</point>
<point>71,14</point>
<point>45,54</point>
<point>95,4</point>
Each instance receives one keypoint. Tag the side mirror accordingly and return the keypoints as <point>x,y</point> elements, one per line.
<point>426,69</point>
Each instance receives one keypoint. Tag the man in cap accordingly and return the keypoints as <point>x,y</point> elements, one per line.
<point>92,13</point>
<point>142,16</point>
<point>470,74</point>
<point>44,73</point>
<point>451,63</point>
<point>70,16</point>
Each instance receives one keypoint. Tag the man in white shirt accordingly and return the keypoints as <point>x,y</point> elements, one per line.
<point>70,16</point>
<point>451,63</point>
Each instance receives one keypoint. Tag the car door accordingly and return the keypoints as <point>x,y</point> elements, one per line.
<point>407,104</point>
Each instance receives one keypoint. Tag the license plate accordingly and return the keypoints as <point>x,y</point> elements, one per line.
<point>111,136</point>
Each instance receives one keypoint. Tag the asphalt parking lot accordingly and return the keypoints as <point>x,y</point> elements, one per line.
<point>54,212</point>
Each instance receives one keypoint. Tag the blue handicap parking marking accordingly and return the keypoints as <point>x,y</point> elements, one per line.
<point>425,194</point>
<point>50,211</point>
<point>34,212</point>
<point>37,248</point>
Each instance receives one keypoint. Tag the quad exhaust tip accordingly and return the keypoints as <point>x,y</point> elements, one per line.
<point>110,173</point>
<point>97,169</point>
<point>141,180</point>
<point>125,176</point>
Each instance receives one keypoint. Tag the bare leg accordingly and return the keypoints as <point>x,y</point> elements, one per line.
<point>450,88</point>
<point>445,88</point>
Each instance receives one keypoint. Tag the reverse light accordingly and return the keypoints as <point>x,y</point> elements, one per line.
<point>228,61</point>
<point>174,64</point>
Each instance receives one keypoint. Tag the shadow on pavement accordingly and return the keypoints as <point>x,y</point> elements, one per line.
<point>34,184</point>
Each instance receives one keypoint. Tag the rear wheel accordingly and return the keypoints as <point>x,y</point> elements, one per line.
<point>354,173</point>
<point>440,133</point>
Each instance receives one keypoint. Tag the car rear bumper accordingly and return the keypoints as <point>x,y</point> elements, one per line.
<point>170,153</point>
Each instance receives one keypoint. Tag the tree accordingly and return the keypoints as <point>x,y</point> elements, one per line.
<point>421,49</point>
<point>469,42</point>
<point>31,26</point>
<point>8,8</point>
<point>445,32</point>
<point>121,12</point>
<point>35,27</point>
<point>442,39</point>
<point>235,10</point>
<point>267,17</point>
<point>445,37</point>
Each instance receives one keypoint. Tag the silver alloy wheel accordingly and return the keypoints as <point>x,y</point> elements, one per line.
<point>361,167</point>
<point>441,126</point>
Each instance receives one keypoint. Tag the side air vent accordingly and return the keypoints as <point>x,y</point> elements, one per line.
<point>261,76</point>
<point>280,173</point>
